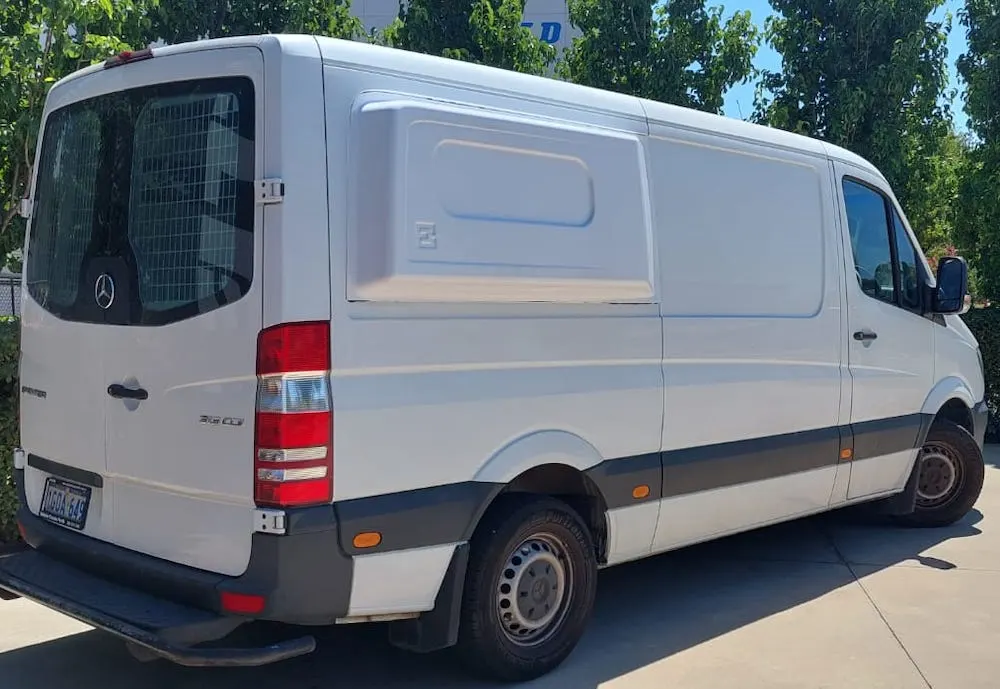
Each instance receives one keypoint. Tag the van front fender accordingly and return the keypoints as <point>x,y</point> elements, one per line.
<point>948,388</point>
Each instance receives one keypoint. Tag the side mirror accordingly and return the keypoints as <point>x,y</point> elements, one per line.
<point>952,286</point>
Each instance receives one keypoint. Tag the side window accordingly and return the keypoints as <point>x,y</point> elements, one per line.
<point>909,275</point>
<point>869,228</point>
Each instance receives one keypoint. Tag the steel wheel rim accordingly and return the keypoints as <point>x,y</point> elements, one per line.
<point>941,476</point>
<point>534,590</point>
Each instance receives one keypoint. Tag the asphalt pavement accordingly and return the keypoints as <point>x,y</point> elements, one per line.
<point>820,603</point>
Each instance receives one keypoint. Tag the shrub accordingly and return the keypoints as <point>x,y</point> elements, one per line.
<point>9,358</point>
<point>985,325</point>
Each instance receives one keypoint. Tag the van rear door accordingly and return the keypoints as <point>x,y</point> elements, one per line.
<point>157,268</point>
<point>62,352</point>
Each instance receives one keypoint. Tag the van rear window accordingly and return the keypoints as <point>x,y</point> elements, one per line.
<point>67,182</point>
<point>151,188</point>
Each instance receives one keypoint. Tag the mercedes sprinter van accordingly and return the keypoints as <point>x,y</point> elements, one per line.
<point>320,332</point>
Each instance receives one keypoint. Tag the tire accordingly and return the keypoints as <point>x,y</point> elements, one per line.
<point>521,536</point>
<point>951,476</point>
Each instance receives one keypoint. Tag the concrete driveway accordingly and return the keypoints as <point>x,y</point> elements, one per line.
<point>819,603</point>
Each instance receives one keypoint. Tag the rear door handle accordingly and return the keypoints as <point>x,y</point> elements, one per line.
<point>121,392</point>
<point>865,335</point>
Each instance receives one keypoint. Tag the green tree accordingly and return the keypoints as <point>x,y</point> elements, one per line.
<point>979,223</point>
<point>504,43</point>
<point>188,20</point>
<point>679,52</point>
<point>870,75</point>
<point>41,42</point>
<point>435,27</point>
<point>931,188</point>
<point>487,32</point>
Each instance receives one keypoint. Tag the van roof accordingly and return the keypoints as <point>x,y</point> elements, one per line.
<point>546,89</point>
<point>739,129</point>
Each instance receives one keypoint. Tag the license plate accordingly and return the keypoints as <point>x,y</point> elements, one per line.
<point>65,503</point>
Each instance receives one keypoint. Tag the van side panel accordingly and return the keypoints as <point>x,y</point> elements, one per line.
<point>489,206</point>
<point>751,331</point>
<point>296,239</point>
<point>426,394</point>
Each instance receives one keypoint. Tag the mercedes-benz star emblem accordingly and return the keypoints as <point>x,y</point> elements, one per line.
<point>104,291</point>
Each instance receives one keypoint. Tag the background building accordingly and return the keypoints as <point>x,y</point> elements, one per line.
<point>548,19</point>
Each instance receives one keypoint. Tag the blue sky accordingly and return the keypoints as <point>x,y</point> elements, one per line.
<point>739,100</point>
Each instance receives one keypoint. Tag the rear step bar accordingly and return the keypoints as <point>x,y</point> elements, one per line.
<point>146,621</point>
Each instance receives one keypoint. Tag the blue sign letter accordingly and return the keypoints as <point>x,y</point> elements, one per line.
<point>551,31</point>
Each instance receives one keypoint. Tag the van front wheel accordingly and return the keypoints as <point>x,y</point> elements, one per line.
<point>529,590</point>
<point>950,478</point>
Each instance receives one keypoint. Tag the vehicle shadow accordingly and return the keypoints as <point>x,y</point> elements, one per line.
<point>646,611</point>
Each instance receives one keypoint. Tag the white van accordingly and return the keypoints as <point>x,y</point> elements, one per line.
<point>320,332</point>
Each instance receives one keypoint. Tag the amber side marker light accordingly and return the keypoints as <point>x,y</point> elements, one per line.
<point>367,539</point>
<point>22,532</point>
<point>846,454</point>
<point>640,492</point>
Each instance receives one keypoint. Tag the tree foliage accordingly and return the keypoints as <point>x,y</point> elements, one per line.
<point>435,27</point>
<point>679,51</point>
<point>187,20</point>
<point>482,31</point>
<point>869,75</point>
<point>978,231</point>
<point>502,40</point>
<point>40,42</point>
<point>930,190</point>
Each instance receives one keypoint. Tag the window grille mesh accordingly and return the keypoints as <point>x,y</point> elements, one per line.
<point>182,216</point>
<point>66,190</point>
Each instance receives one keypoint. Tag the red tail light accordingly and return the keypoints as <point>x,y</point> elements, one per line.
<point>293,448</point>
<point>294,348</point>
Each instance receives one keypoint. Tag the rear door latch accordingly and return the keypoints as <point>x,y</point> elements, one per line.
<point>269,190</point>
<point>269,521</point>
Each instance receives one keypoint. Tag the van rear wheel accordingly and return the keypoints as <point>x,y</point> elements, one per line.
<point>950,478</point>
<point>529,590</point>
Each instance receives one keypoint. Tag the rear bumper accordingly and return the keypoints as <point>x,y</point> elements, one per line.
<point>306,575</point>
<point>980,419</point>
<point>303,575</point>
<point>159,626</point>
